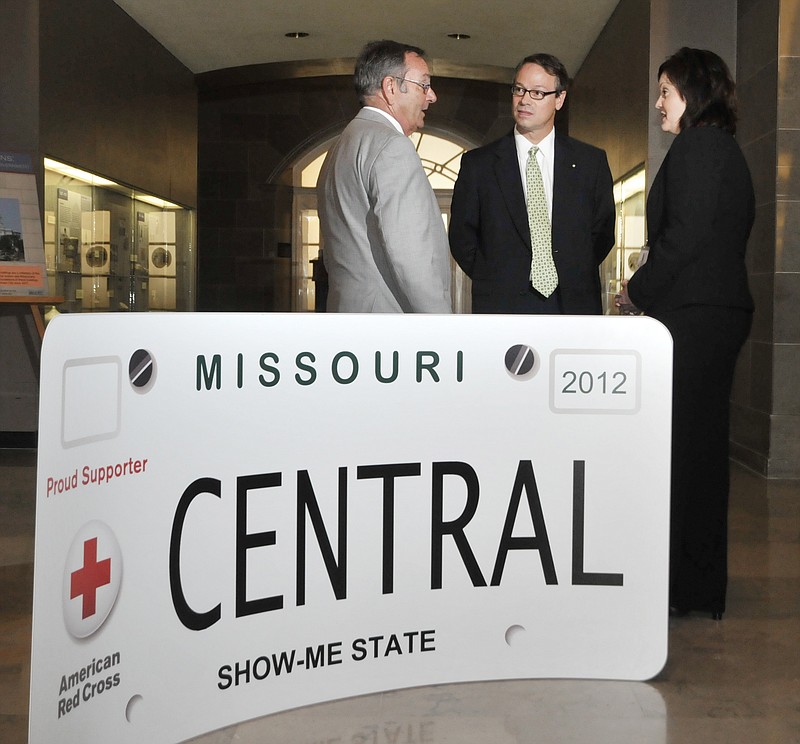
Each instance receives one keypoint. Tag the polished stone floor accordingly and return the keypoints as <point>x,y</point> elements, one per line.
<point>737,680</point>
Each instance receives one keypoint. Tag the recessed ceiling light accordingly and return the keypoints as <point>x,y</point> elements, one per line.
<point>458,36</point>
<point>296,35</point>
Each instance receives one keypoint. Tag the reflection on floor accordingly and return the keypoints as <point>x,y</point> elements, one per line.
<point>732,681</point>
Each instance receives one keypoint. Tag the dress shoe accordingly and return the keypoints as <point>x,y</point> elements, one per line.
<point>683,612</point>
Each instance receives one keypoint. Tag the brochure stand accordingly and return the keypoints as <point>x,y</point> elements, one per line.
<point>34,303</point>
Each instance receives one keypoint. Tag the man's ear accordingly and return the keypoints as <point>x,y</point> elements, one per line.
<point>388,87</point>
<point>560,100</point>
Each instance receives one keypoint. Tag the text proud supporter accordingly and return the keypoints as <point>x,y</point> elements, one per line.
<point>95,475</point>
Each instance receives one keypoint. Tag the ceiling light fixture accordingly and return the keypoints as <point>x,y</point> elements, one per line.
<point>296,35</point>
<point>458,36</point>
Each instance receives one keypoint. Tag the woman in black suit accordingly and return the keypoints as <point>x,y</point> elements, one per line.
<point>699,213</point>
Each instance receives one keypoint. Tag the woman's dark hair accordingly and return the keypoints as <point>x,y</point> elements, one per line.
<point>705,83</point>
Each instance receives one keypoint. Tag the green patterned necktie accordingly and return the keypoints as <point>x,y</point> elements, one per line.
<point>544,276</point>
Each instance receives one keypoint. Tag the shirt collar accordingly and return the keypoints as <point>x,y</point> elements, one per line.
<point>394,122</point>
<point>547,145</point>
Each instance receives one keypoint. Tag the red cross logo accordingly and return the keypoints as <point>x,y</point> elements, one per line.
<point>87,580</point>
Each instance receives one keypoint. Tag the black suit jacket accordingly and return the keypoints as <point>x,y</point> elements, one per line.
<point>490,238</point>
<point>699,214</point>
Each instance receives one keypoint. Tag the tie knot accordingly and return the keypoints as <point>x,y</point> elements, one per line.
<point>532,152</point>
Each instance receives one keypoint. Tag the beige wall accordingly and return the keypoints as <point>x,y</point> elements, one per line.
<point>114,101</point>
<point>609,96</point>
<point>675,24</point>
<point>82,82</point>
<point>611,106</point>
<point>766,412</point>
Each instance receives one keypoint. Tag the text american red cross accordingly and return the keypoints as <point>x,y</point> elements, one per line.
<point>87,580</point>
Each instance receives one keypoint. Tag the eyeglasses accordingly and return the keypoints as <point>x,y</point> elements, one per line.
<point>537,95</point>
<point>425,86</point>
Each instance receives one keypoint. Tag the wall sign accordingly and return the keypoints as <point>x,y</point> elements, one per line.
<point>22,265</point>
<point>241,514</point>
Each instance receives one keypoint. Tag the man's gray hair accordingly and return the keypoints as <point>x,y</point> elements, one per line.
<point>380,59</point>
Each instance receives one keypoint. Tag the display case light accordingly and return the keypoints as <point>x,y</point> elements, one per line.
<point>76,173</point>
<point>81,175</point>
<point>156,201</point>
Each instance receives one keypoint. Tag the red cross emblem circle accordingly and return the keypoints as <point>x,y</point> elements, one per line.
<point>92,577</point>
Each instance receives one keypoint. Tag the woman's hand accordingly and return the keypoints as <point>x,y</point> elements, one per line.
<point>623,301</point>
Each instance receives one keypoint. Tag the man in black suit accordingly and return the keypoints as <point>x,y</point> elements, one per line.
<point>492,216</point>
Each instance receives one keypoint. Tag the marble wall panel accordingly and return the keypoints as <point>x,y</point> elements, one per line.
<point>762,288</point>
<point>788,84</point>
<point>789,28</point>
<point>758,107</point>
<point>761,377</point>
<point>761,155</point>
<point>787,236</point>
<point>786,304</point>
<point>758,36</point>
<point>760,256</point>
<point>751,446</point>
<point>788,171</point>
<point>786,391</point>
<point>784,451</point>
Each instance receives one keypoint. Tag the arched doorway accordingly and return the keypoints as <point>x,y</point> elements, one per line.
<point>440,154</point>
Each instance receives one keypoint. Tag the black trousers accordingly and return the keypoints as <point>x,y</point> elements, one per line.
<point>707,341</point>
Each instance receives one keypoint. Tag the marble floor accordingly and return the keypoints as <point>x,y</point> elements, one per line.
<point>737,680</point>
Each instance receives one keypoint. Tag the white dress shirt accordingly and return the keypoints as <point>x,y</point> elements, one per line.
<point>395,123</point>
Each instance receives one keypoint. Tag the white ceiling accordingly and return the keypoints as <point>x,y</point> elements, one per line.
<point>212,34</point>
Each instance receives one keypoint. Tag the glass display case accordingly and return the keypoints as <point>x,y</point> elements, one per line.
<point>624,258</point>
<point>110,247</point>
